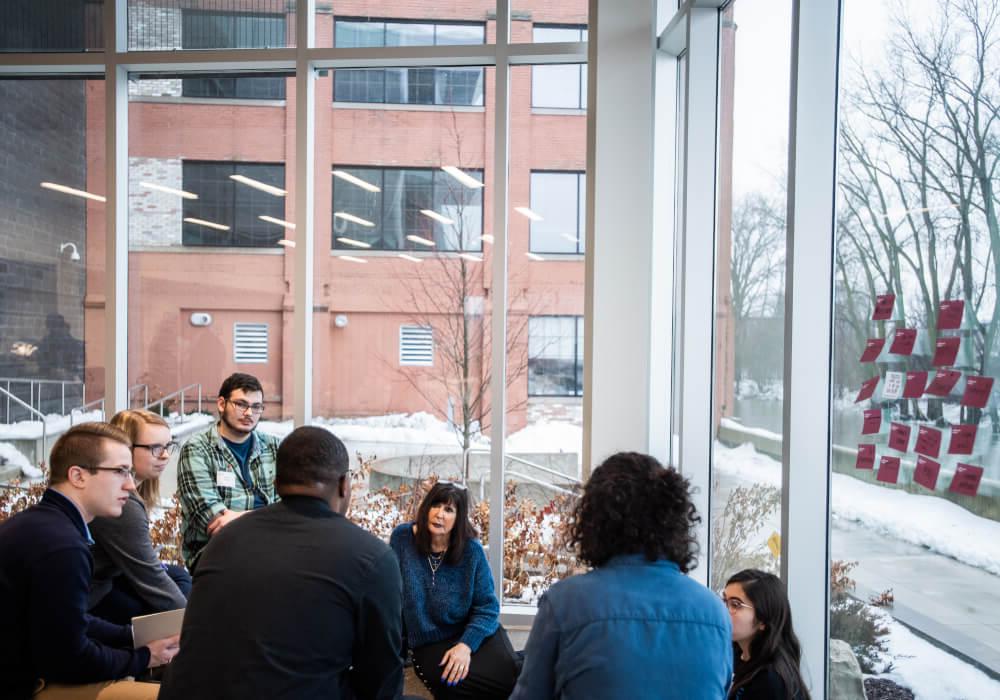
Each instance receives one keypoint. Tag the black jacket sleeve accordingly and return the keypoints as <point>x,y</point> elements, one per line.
<point>378,668</point>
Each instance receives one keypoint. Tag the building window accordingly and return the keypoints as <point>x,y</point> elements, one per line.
<point>559,199</point>
<point>51,25</point>
<point>423,86</point>
<point>204,29</point>
<point>416,346</point>
<point>227,212</point>
<point>250,343</point>
<point>383,209</point>
<point>555,356</point>
<point>559,86</point>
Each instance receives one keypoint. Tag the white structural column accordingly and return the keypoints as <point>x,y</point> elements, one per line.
<point>805,551</point>
<point>305,116</point>
<point>619,232</point>
<point>695,378</point>
<point>116,212</point>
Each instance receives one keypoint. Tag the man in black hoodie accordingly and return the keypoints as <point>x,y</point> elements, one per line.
<point>49,640</point>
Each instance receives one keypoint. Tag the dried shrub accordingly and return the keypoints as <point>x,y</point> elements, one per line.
<point>165,533</point>
<point>736,541</point>
<point>15,497</point>
<point>857,623</point>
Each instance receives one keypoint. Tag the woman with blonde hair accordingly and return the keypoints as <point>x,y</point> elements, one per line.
<point>129,578</point>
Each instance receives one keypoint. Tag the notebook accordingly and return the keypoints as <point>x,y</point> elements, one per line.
<point>149,628</point>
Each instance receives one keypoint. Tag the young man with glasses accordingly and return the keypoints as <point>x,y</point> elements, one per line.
<point>227,470</point>
<point>50,645</point>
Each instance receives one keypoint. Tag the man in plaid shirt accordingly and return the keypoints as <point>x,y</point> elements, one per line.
<point>228,470</point>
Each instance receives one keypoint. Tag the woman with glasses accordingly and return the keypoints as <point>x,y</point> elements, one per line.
<point>128,578</point>
<point>766,652</point>
<point>451,616</point>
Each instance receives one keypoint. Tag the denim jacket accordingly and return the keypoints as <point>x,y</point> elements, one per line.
<point>629,629</point>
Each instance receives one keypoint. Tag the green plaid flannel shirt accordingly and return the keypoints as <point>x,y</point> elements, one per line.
<point>201,498</point>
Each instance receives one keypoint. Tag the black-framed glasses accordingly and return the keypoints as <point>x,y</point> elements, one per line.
<point>124,473</point>
<point>735,604</point>
<point>158,450</point>
<point>242,406</point>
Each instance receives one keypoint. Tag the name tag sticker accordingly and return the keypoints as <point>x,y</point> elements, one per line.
<point>225,479</point>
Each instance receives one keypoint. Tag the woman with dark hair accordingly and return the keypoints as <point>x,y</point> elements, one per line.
<point>451,616</point>
<point>766,652</point>
<point>635,626</point>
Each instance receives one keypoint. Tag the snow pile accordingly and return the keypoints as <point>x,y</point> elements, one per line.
<point>749,389</point>
<point>54,423</point>
<point>547,437</point>
<point>415,428</point>
<point>11,455</point>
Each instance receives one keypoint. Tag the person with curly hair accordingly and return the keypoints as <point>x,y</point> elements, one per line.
<point>766,652</point>
<point>635,626</point>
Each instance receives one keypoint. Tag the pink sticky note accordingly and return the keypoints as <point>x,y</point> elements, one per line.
<point>977,391</point>
<point>915,383</point>
<point>872,349</point>
<point>866,457</point>
<point>963,437</point>
<point>899,436</point>
<point>945,351</point>
<point>926,473</point>
<point>950,314</point>
<point>883,307</point>
<point>888,470</point>
<point>867,389</point>
<point>903,340</point>
<point>928,441</point>
<point>944,381</point>
<point>873,421</point>
<point>966,479</point>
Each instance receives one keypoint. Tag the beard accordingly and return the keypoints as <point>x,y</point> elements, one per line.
<point>236,427</point>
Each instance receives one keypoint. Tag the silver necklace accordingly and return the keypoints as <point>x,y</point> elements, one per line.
<point>435,561</point>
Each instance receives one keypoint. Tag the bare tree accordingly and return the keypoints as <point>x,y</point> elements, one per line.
<point>758,256</point>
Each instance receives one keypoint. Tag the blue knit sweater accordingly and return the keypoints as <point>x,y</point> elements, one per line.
<point>461,601</point>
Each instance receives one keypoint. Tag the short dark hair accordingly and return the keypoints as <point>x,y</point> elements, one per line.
<point>311,456</point>
<point>633,505</point>
<point>457,496</point>
<point>82,446</point>
<point>239,380</point>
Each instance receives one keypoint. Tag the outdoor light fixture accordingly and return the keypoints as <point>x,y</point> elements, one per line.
<point>258,185</point>
<point>353,219</point>
<point>75,192</point>
<point>74,253</point>
<point>363,184</point>
<point>462,176</point>
<point>524,211</point>
<point>168,190</point>
<point>430,213</point>
<point>340,320</point>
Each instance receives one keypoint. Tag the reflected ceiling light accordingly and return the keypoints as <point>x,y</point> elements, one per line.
<point>535,256</point>
<point>75,192</point>
<point>351,258</point>
<point>488,237</point>
<point>168,190</point>
<point>207,224</point>
<point>470,256</point>
<point>571,238</point>
<point>524,211</point>
<point>351,241</point>
<point>353,219</point>
<point>411,258</point>
<point>430,213</point>
<point>421,240</point>
<point>287,243</point>
<point>279,222</point>
<point>462,176</point>
<point>258,185</point>
<point>363,184</point>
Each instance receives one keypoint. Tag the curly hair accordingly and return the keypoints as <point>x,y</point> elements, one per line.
<point>633,505</point>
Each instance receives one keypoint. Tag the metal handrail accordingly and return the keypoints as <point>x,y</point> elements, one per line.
<point>145,393</point>
<point>512,458</point>
<point>32,382</point>
<point>84,407</point>
<point>540,482</point>
<point>179,393</point>
<point>45,429</point>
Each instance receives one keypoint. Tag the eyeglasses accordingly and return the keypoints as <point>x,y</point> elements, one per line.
<point>123,473</point>
<point>243,406</point>
<point>158,450</point>
<point>735,604</point>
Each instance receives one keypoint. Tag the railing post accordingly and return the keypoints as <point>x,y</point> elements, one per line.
<point>199,398</point>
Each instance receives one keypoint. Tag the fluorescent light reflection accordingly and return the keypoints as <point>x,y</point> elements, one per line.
<point>462,176</point>
<point>351,258</point>
<point>440,218</point>
<point>350,241</point>
<point>487,237</point>
<point>258,185</point>
<point>421,240</point>
<point>470,257</point>
<point>279,222</point>
<point>168,190</point>
<point>353,219</point>
<point>524,211</point>
<point>570,238</point>
<point>363,184</point>
<point>73,191</point>
<point>206,224</point>
<point>411,258</point>
<point>535,256</point>
<point>286,243</point>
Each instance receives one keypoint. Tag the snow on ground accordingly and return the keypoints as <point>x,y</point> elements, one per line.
<point>546,436</point>
<point>11,455</point>
<point>750,389</point>
<point>54,423</point>
<point>927,521</point>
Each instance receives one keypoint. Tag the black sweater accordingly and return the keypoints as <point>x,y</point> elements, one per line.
<point>45,569</point>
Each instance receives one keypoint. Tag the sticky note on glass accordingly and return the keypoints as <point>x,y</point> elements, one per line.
<point>903,340</point>
<point>966,479</point>
<point>915,383</point>
<point>977,391</point>
<point>888,470</point>
<point>872,349</point>
<point>866,457</point>
<point>883,307</point>
<point>946,351</point>
<point>963,437</point>
<point>950,314</point>
<point>867,389</point>
<point>774,544</point>
<point>899,436</point>
<point>872,422</point>
<point>892,388</point>
<point>926,472</point>
<point>944,381</point>
<point>928,441</point>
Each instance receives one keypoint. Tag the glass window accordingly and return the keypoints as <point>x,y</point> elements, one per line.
<point>563,14</point>
<point>555,356</point>
<point>558,201</point>
<point>52,25</point>
<point>559,86</point>
<point>202,24</point>
<point>230,203</point>
<point>243,87</point>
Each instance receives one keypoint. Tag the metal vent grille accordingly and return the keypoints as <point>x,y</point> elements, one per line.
<point>250,343</point>
<point>416,346</point>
